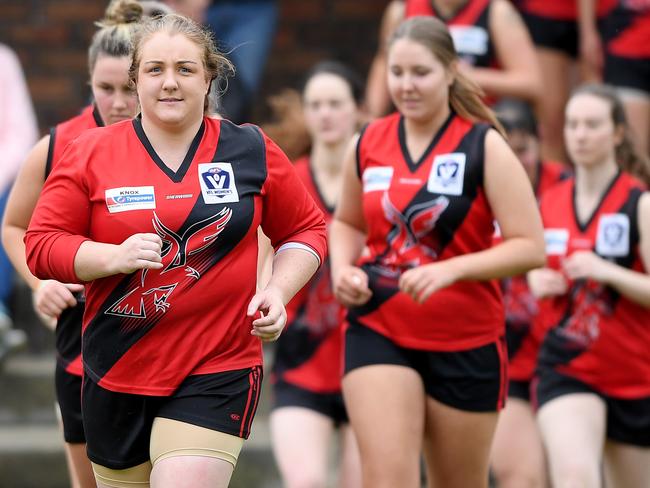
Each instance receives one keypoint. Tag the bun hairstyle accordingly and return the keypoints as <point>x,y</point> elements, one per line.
<point>121,12</point>
<point>465,96</point>
<point>627,156</point>
<point>116,31</point>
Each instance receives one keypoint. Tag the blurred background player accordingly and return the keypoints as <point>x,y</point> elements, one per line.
<point>563,47</point>
<point>517,429</point>
<point>307,401</point>
<point>593,384</point>
<point>623,55</point>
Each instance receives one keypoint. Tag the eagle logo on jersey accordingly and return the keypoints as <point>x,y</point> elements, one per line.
<point>410,238</point>
<point>150,293</point>
<point>582,327</point>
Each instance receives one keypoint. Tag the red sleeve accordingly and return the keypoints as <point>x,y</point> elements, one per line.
<point>289,214</point>
<point>60,221</point>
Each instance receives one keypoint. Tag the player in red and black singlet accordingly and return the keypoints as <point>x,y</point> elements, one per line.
<point>563,44</point>
<point>593,384</point>
<point>159,215</point>
<point>517,428</point>
<point>307,401</point>
<point>413,260</point>
<point>626,38</point>
<point>490,38</point>
<point>59,303</point>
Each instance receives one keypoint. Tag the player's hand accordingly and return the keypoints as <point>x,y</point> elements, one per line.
<point>273,316</point>
<point>351,286</point>
<point>51,298</point>
<point>421,282</point>
<point>140,251</point>
<point>586,264</point>
<point>546,282</point>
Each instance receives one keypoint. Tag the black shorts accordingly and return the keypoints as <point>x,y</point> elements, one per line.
<point>627,73</point>
<point>628,421</point>
<point>68,396</point>
<point>118,425</point>
<point>474,380</point>
<point>519,389</point>
<point>329,404</point>
<point>559,35</point>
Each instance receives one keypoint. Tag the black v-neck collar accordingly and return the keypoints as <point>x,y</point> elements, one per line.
<point>314,181</point>
<point>97,117</point>
<point>175,176</point>
<point>413,166</point>
<point>583,227</point>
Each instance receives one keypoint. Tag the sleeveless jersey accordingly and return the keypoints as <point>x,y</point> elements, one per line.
<point>520,304</point>
<point>145,332</point>
<point>309,352</point>
<point>68,325</point>
<point>419,213</point>
<point>627,30</point>
<point>469,28</point>
<point>593,333</point>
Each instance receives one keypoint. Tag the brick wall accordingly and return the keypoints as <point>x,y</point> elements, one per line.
<point>51,38</point>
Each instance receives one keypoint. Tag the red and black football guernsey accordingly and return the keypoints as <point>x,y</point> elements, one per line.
<point>145,332</point>
<point>593,333</point>
<point>309,352</point>
<point>421,212</point>
<point>68,325</point>
<point>520,304</point>
<point>469,28</point>
<point>626,30</point>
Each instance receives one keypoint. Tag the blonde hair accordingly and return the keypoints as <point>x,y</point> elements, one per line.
<point>465,96</point>
<point>627,157</point>
<point>216,65</point>
<point>116,31</point>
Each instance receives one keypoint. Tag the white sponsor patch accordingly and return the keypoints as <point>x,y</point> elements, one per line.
<point>377,178</point>
<point>557,241</point>
<point>130,198</point>
<point>469,39</point>
<point>217,182</point>
<point>613,237</point>
<point>447,174</point>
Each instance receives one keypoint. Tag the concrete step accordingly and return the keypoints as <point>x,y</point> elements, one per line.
<point>27,386</point>
<point>31,444</point>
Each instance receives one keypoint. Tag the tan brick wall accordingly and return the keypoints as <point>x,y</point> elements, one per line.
<point>51,38</point>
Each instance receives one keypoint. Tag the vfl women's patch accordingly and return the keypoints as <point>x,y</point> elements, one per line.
<point>557,241</point>
<point>447,174</point>
<point>377,178</point>
<point>218,183</point>
<point>130,198</point>
<point>613,237</point>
